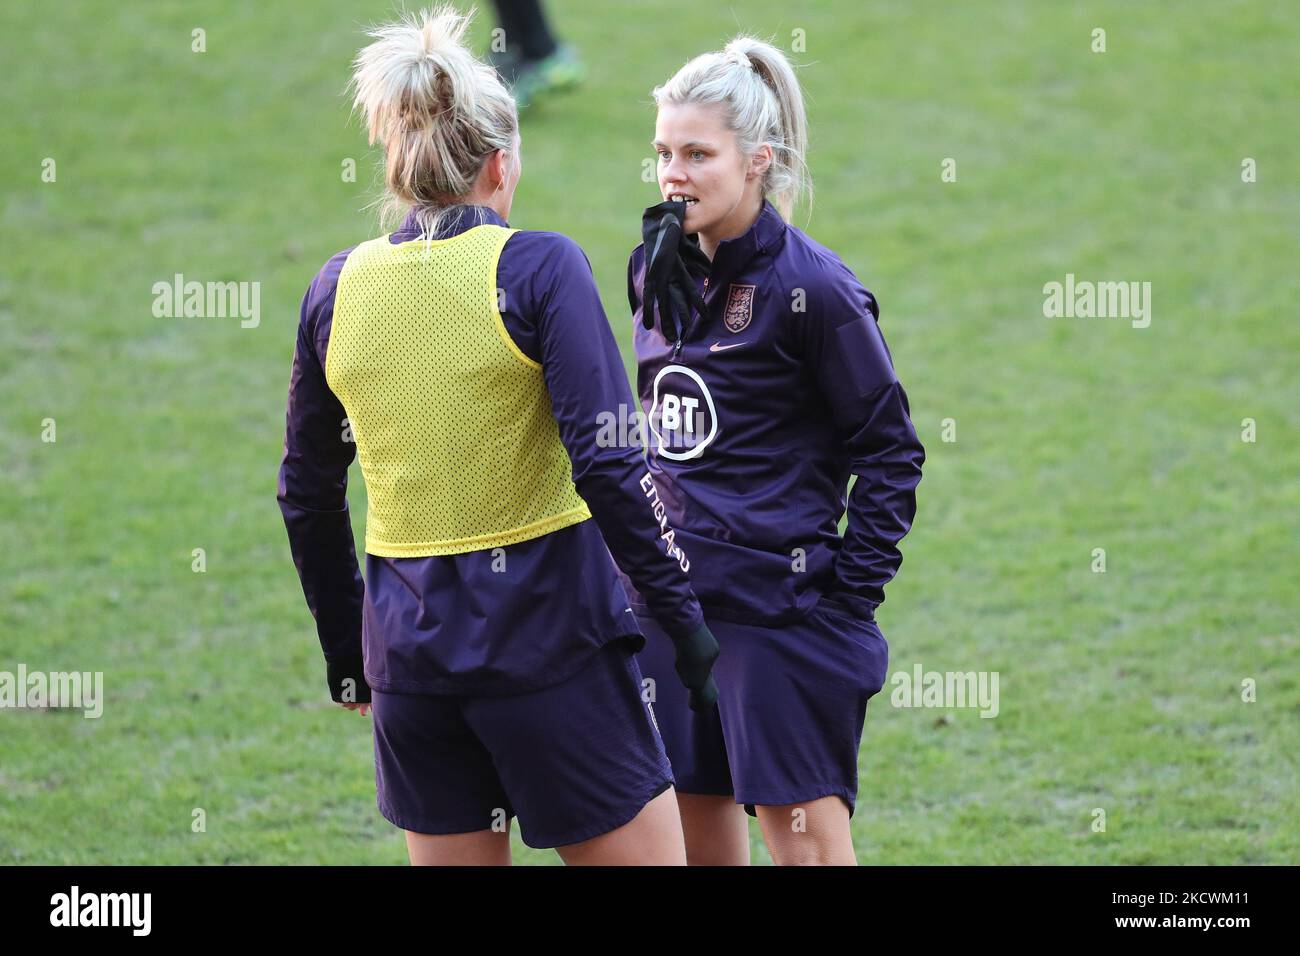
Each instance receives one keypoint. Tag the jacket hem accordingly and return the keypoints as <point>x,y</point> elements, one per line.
<point>527,532</point>
<point>495,687</point>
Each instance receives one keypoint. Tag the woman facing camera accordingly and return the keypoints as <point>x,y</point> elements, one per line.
<point>467,364</point>
<point>767,384</point>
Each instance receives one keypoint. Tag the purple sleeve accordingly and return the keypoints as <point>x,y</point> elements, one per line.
<point>585,376</point>
<point>313,494</point>
<point>851,364</point>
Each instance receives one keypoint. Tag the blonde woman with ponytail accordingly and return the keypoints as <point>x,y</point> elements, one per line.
<point>467,365</point>
<point>767,384</point>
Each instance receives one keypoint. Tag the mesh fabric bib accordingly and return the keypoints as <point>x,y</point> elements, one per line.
<point>455,435</point>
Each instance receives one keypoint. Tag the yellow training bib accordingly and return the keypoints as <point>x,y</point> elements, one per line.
<point>457,441</point>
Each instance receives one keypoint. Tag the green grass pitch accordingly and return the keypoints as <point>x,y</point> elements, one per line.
<point>1120,691</point>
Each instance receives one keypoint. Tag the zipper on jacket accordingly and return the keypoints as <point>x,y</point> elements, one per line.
<point>677,349</point>
<point>677,346</point>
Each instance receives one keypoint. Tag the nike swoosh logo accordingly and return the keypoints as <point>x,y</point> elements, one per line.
<point>719,347</point>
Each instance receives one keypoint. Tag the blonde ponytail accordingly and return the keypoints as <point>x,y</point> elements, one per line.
<point>763,105</point>
<point>438,111</point>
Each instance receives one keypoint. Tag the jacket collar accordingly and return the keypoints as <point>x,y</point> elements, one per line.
<point>733,255</point>
<point>461,219</point>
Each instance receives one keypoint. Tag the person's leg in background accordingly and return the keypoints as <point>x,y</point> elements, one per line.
<point>715,829</point>
<point>527,33</point>
<point>534,62</point>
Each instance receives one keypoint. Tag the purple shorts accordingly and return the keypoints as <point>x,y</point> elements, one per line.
<point>572,761</point>
<point>791,704</point>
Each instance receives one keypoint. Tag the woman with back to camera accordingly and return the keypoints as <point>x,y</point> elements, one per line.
<point>766,384</point>
<point>472,363</point>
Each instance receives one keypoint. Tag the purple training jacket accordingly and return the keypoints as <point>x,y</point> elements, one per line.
<point>779,394</point>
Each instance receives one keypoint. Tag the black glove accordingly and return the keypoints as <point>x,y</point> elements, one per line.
<point>672,261</point>
<point>695,657</point>
<point>337,672</point>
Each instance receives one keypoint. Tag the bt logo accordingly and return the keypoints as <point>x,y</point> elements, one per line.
<point>678,409</point>
<point>682,416</point>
